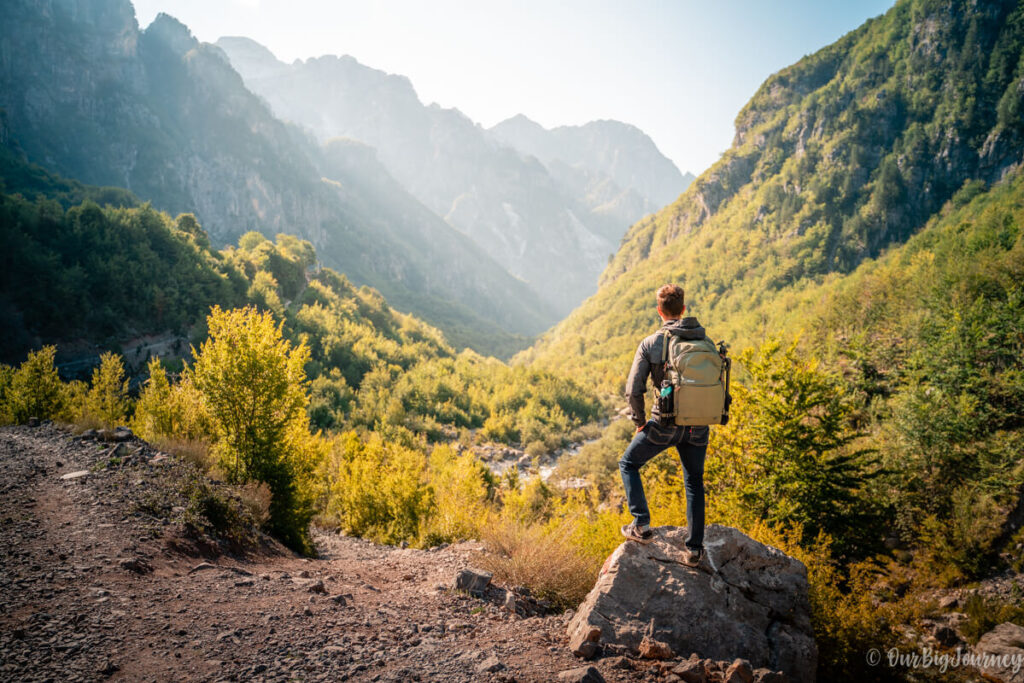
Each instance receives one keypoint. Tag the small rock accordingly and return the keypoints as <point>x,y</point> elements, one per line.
<point>202,566</point>
<point>307,611</point>
<point>510,602</point>
<point>339,600</point>
<point>739,671</point>
<point>587,650</point>
<point>472,581</point>
<point>489,665</point>
<point>138,565</point>
<point>245,582</point>
<point>317,587</point>
<point>949,602</point>
<point>33,422</point>
<point>618,662</point>
<point>122,434</point>
<point>75,475</point>
<point>88,435</point>
<point>691,671</point>
<point>583,674</point>
<point>654,649</point>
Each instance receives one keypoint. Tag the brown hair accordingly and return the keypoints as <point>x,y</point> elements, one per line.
<point>671,300</point>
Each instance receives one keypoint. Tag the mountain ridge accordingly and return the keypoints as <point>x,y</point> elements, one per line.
<point>88,95</point>
<point>833,161</point>
<point>524,214</point>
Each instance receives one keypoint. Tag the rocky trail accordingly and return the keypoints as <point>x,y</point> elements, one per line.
<point>95,586</point>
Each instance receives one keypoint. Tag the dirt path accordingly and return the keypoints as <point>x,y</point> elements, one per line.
<point>93,589</point>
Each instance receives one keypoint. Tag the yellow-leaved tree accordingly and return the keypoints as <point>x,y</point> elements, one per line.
<point>253,383</point>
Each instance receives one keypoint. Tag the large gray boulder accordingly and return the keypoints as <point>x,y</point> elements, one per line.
<point>744,600</point>
<point>1000,654</point>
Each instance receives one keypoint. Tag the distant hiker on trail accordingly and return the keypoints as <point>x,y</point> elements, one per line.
<point>690,378</point>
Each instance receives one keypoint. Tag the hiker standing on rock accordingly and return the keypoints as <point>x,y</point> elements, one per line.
<point>690,378</point>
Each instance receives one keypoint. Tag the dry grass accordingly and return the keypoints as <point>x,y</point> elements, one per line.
<point>255,497</point>
<point>190,450</point>
<point>543,560</point>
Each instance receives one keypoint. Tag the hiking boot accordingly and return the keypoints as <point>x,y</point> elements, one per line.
<point>633,533</point>
<point>693,556</point>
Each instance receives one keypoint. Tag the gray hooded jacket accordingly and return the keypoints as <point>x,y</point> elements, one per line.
<point>647,363</point>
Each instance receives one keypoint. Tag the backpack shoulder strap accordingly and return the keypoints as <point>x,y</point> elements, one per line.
<point>666,335</point>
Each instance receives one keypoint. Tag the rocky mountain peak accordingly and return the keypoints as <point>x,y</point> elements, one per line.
<point>174,34</point>
<point>248,49</point>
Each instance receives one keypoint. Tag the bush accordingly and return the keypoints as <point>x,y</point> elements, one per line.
<point>377,489</point>
<point>985,613</point>
<point>541,559</point>
<point>35,388</point>
<point>463,489</point>
<point>154,414</point>
<point>106,403</point>
<point>253,384</point>
<point>6,377</point>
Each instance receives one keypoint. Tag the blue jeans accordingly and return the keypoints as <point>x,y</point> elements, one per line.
<point>692,444</point>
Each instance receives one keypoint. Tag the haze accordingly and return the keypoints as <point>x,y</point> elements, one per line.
<point>680,71</point>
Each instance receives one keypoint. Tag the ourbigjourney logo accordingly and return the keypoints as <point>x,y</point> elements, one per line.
<point>927,658</point>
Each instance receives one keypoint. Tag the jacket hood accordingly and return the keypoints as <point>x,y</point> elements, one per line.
<point>685,328</point>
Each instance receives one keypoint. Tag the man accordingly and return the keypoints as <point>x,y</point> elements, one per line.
<point>652,437</point>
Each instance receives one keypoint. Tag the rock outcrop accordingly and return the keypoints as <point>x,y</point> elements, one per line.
<point>744,600</point>
<point>1000,654</point>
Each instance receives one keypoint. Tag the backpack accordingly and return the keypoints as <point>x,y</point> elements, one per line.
<point>695,390</point>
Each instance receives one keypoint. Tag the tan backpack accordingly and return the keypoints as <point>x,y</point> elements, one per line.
<point>696,383</point>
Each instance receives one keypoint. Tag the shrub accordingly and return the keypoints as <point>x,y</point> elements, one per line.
<point>377,489</point>
<point>35,388</point>
<point>154,413</point>
<point>462,488</point>
<point>106,403</point>
<point>253,384</point>
<point>985,613</point>
<point>256,499</point>
<point>6,376</point>
<point>212,511</point>
<point>541,559</point>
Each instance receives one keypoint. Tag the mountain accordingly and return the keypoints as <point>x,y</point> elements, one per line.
<point>615,167</point>
<point>553,224</point>
<point>86,94</point>
<point>837,158</point>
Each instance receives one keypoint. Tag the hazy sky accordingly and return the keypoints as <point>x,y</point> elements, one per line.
<point>678,69</point>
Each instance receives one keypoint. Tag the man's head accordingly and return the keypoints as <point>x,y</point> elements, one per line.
<point>670,302</point>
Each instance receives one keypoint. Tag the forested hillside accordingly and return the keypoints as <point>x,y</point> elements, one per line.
<point>86,94</point>
<point>111,274</point>
<point>836,158</point>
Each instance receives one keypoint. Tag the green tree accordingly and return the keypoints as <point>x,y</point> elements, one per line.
<point>107,401</point>
<point>254,386</point>
<point>36,389</point>
<point>154,415</point>
<point>788,457</point>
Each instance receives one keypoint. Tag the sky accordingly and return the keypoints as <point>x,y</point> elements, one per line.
<point>680,70</point>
